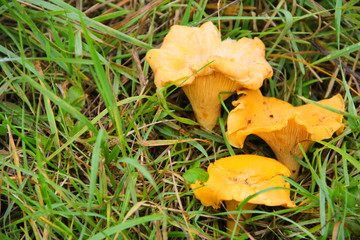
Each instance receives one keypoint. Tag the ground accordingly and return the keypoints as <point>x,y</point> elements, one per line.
<point>91,149</point>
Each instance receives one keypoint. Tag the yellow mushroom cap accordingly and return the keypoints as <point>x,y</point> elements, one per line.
<point>196,59</point>
<point>186,50</point>
<point>255,113</point>
<point>243,61</point>
<point>283,126</point>
<point>320,122</point>
<point>238,177</point>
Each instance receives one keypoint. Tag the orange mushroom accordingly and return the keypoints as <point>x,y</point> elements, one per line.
<point>233,179</point>
<point>196,59</point>
<point>282,126</point>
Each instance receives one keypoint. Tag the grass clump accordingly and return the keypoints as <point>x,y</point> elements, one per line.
<point>90,150</point>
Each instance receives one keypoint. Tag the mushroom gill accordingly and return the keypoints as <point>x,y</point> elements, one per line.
<point>282,126</point>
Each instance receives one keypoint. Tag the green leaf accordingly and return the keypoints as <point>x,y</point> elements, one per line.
<point>76,97</point>
<point>196,174</point>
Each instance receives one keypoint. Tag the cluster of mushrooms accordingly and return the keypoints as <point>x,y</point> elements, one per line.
<point>209,70</point>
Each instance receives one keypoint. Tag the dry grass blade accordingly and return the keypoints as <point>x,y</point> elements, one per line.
<point>13,151</point>
<point>146,9</point>
<point>140,72</point>
<point>183,213</point>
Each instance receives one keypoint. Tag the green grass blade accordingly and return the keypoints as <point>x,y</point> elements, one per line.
<point>74,14</point>
<point>141,169</point>
<point>344,154</point>
<point>61,103</point>
<point>338,53</point>
<point>338,12</point>
<point>126,225</point>
<point>95,161</point>
<point>287,25</point>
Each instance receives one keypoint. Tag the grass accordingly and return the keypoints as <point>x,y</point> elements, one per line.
<point>89,149</point>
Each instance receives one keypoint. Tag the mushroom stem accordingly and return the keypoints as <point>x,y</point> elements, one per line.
<point>285,144</point>
<point>289,161</point>
<point>203,94</point>
<point>232,224</point>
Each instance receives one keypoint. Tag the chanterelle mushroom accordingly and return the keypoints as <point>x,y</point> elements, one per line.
<point>235,178</point>
<point>283,126</point>
<point>196,59</point>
